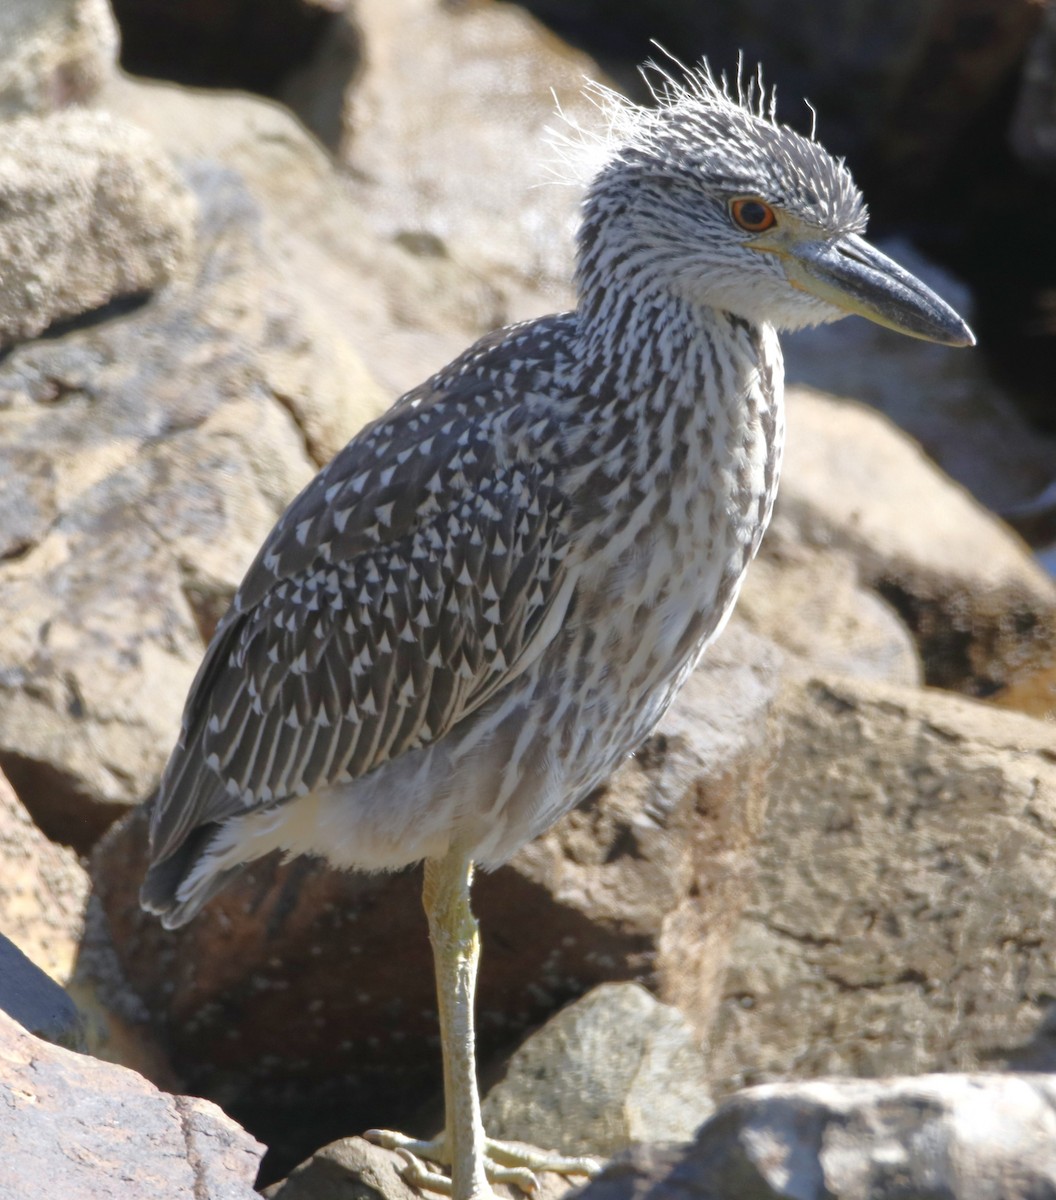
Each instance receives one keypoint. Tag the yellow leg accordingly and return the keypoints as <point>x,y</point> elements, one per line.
<point>473,1158</point>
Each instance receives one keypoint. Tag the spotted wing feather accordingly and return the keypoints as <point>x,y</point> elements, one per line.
<point>404,586</point>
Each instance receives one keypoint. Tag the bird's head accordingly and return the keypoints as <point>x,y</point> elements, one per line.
<point>706,197</point>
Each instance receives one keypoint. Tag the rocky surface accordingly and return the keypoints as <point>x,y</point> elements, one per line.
<point>91,212</point>
<point>55,53</point>
<point>969,1137</point>
<point>88,1130</point>
<point>575,1087</point>
<point>902,918</point>
<point>645,882</point>
<point>155,448</point>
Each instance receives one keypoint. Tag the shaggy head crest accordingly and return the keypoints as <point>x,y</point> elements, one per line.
<point>724,133</point>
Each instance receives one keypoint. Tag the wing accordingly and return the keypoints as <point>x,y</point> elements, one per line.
<point>409,581</point>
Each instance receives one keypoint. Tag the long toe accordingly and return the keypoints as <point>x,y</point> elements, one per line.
<point>511,1163</point>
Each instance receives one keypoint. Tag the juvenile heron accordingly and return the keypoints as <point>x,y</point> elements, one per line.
<point>492,594</point>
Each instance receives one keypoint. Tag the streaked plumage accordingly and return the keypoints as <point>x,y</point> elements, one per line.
<point>493,593</point>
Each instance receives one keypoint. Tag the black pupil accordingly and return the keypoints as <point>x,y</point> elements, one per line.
<point>753,213</point>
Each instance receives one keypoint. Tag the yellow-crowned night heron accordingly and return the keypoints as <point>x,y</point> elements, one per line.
<point>491,595</point>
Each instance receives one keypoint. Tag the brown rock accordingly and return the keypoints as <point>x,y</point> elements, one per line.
<point>86,1130</point>
<point>92,212</point>
<point>960,1137</point>
<point>304,997</point>
<point>54,53</point>
<point>983,613</point>
<point>902,919</point>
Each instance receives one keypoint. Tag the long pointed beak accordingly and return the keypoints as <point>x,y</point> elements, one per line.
<point>853,275</point>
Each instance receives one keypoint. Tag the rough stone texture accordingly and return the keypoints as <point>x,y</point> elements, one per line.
<point>956,1137</point>
<point>443,131</point>
<point>90,211</point>
<point>54,53</point>
<point>302,999</point>
<point>144,460</point>
<point>614,1068</point>
<point>983,613</point>
<point>87,1130</point>
<point>353,1169</point>
<point>43,890</point>
<point>409,305</point>
<point>902,920</point>
<point>35,1000</point>
<point>811,603</point>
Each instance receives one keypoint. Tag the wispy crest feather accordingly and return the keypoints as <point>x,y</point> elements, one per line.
<point>582,151</point>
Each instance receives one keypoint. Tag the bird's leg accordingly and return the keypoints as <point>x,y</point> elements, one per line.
<point>474,1159</point>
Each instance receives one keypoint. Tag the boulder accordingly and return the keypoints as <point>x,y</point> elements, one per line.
<point>303,998</point>
<point>614,1068</point>
<point>958,1137</point>
<point>902,919</point>
<point>88,1130</point>
<point>91,211</point>
<point>55,53</point>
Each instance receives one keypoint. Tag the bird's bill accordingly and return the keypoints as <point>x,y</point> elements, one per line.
<point>853,275</point>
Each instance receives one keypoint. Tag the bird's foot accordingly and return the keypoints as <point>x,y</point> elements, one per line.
<point>504,1162</point>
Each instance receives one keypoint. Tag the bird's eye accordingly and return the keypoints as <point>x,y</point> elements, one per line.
<point>752,214</point>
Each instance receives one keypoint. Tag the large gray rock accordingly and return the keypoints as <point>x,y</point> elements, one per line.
<point>939,1137</point>
<point>614,1068</point>
<point>88,1130</point>
<point>91,211</point>
<point>902,919</point>
<point>54,53</point>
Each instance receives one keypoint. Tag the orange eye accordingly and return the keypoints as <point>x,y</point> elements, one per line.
<point>752,214</point>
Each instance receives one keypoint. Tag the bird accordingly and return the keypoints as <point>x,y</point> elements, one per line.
<point>487,599</point>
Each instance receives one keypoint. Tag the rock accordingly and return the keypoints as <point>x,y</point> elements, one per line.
<point>445,97</point>
<point>90,212</point>
<point>36,1001</point>
<point>902,920</point>
<point>811,603</point>
<point>55,53</point>
<point>99,1132</point>
<point>614,1068</point>
<point>982,612</point>
<point>645,882</point>
<point>959,1137</point>
<point>145,458</point>
<point>408,304</point>
<point>43,890</point>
